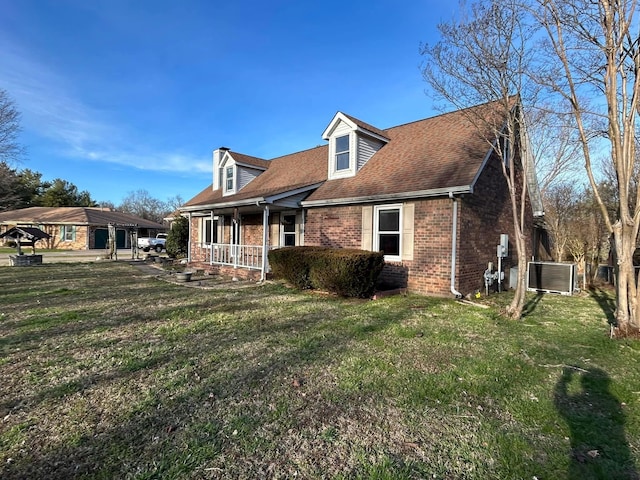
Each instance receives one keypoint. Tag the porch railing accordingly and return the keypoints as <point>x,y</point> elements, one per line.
<point>242,256</point>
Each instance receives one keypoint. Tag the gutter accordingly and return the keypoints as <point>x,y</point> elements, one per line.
<point>258,201</point>
<point>437,192</point>
<point>217,206</point>
<point>454,246</point>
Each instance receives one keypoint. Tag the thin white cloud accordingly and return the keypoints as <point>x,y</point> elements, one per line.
<point>74,128</point>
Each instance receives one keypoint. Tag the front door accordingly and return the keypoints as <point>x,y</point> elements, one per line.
<point>101,238</point>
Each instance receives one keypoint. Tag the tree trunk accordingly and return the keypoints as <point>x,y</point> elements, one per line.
<point>514,310</point>
<point>627,313</point>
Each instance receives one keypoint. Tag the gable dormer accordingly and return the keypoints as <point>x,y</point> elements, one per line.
<point>351,144</point>
<point>233,171</point>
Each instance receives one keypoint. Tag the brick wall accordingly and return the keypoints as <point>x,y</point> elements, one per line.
<point>338,227</point>
<point>197,255</point>
<point>483,217</point>
<point>252,232</point>
<point>80,242</point>
<point>428,272</point>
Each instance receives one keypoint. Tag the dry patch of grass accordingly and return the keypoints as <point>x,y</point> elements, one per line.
<point>110,373</point>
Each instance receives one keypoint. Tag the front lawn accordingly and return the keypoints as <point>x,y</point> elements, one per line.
<point>108,372</point>
<point>27,250</point>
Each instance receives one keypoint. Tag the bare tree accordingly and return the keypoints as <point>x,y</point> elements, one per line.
<point>555,146</point>
<point>173,204</point>
<point>560,208</point>
<point>586,232</point>
<point>10,149</point>
<point>142,204</point>
<point>482,57</point>
<point>597,50</point>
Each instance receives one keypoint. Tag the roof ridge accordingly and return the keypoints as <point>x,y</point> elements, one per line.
<point>300,151</point>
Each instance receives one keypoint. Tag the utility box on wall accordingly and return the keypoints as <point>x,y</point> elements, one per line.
<point>551,277</point>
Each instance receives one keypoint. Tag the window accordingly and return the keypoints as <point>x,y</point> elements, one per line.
<point>342,153</point>
<point>388,231</point>
<point>209,231</point>
<point>229,177</point>
<point>289,230</point>
<point>68,233</point>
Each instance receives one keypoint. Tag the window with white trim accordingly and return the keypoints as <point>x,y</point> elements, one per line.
<point>342,153</point>
<point>289,230</point>
<point>229,179</point>
<point>209,232</point>
<point>388,231</point>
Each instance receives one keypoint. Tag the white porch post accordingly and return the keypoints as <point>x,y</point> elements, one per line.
<point>265,242</point>
<point>235,241</point>
<point>189,241</point>
<point>212,242</point>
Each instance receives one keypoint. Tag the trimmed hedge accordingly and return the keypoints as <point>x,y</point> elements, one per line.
<point>346,272</point>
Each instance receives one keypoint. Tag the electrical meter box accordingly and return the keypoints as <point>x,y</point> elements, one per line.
<point>503,248</point>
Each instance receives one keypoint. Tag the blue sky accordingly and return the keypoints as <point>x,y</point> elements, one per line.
<point>118,96</point>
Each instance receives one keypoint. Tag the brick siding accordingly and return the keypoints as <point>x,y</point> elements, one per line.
<point>483,217</point>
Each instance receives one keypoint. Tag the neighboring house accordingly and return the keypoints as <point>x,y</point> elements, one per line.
<point>430,194</point>
<point>80,228</point>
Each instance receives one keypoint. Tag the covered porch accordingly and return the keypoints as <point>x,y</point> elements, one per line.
<point>236,240</point>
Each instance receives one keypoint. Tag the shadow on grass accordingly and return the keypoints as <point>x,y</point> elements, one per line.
<point>595,417</point>
<point>531,305</point>
<point>607,302</point>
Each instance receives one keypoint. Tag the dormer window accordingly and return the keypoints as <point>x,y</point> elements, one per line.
<point>229,178</point>
<point>342,153</point>
<point>351,144</point>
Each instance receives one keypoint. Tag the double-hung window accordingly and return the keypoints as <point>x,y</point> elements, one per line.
<point>68,233</point>
<point>388,231</point>
<point>342,153</point>
<point>209,231</point>
<point>229,178</point>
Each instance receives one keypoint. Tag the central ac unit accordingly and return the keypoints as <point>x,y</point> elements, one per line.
<point>551,277</point>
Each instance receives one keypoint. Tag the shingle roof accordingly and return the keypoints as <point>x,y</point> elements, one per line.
<point>249,160</point>
<point>437,153</point>
<point>441,152</point>
<point>366,126</point>
<point>74,216</point>
<point>286,173</point>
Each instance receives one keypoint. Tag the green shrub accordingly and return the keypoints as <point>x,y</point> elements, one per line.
<point>293,264</point>
<point>347,272</point>
<point>178,238</point>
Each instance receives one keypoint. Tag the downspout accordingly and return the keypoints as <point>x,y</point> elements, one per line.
<point>454,246</point>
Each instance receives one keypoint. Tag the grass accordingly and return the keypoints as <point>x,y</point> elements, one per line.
<point>110,373</point>
<point>27,250</point>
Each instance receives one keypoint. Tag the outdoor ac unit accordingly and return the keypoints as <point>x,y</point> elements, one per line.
<point>551,277</point>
